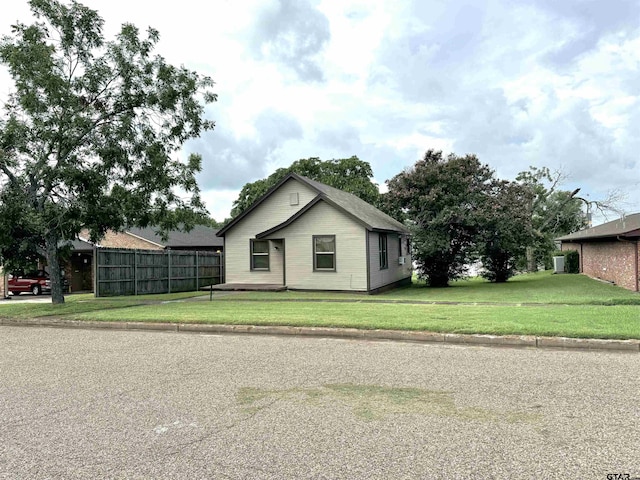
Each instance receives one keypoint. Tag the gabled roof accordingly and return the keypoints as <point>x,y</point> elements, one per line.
<point>199,236</point>
<point>78,245</point>
<point>364,213</point>
<point>627,226</point>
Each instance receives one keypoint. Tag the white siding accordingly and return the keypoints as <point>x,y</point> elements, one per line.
<point>273,211</point>
<point>351,262</point>
<point>395,272</point>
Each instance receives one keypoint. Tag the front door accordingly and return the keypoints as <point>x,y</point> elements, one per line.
<point>81,272</point>
<point>279,260</point>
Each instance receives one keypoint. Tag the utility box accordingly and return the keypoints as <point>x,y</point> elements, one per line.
<point>558,264</point>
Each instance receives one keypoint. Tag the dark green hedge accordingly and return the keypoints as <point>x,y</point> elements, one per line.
<point>571,260</point>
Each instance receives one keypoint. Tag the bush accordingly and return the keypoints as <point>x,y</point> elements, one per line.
<point>571,260</point>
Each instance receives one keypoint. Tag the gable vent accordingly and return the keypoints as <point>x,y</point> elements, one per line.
<point>293,199</point>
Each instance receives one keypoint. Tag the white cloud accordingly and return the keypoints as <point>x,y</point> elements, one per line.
<point>519,83</point>
<point>219,202</point>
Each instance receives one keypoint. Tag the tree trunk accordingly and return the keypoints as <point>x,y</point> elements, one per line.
<point>51,247</point>
<point>531,260</point>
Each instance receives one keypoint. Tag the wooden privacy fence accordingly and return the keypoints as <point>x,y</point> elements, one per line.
<point>139,272</point>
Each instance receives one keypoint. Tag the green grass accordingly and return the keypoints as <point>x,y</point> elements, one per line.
<point>542,287</point>
<point>82,303</point>
<point>621,322</point>
<point>539,304</point>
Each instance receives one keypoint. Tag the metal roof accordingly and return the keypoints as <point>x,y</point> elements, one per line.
<point>627,226</point>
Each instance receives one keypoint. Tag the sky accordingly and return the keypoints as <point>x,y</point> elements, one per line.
<point>519,83</point>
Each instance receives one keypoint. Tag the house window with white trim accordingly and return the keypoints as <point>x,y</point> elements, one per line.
<point>324,253</point>
<point>382,251</point>
<point>259,254</point>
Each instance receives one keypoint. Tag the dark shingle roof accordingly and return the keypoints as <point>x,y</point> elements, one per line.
<point>361,211</point>
<point>199,236</point>
<point>627,226</point>
<point>375,219</point>
<point>79,245</point>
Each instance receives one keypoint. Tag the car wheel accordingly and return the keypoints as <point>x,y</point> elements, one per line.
<point>36,289</point>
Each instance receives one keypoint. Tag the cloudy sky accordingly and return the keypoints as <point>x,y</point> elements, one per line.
<point>551,83</point>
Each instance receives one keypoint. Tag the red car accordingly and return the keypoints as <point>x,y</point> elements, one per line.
<point>35,282</point>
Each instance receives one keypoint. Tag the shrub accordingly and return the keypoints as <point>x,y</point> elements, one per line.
<point>571,261</point>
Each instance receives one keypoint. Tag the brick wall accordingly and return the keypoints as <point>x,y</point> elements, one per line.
<point>125,240</point>
<point>611,261</point>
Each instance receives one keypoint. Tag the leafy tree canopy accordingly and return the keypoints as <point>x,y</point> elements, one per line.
<point>349,174</point>
<point>91,134</point>
<point>505,231</point>
<point>443,198</point>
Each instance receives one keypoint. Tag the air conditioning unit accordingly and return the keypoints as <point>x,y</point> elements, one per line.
<point>400,260</point>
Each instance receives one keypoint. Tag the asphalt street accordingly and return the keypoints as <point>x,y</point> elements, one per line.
<point>140,405</point>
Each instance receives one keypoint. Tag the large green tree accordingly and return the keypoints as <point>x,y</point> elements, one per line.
<point>91,133</point>
<point>348,174</point>
<point>443,198</point>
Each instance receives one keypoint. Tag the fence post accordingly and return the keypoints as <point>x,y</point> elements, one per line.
<point>169,268</point>
<point>197,273</point>
<point>135,271</point>
<point>96,269</point>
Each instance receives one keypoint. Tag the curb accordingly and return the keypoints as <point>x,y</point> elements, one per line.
<point>352,333</point>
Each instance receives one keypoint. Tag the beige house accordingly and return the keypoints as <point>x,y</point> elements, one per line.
<point>304,235</point>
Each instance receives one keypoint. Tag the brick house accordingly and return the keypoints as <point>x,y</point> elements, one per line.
<point>609,251</point>
<point>79,269</point>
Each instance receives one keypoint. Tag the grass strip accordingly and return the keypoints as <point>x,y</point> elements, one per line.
<point>613,322</point>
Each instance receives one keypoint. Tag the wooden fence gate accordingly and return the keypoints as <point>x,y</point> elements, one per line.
<point>140,272</point>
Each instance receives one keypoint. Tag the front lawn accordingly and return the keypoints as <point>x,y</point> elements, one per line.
<point>539,304</point>
<point>541,287</point>
<point>621,322</point>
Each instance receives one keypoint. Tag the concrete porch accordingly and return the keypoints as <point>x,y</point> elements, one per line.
<point>250,287</point>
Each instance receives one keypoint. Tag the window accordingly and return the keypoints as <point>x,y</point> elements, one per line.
<point>399,246</point>
<point>259,254</point>
<point>382,251</point>
<point>324,253</point>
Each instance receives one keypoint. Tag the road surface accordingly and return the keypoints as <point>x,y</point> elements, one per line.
<point>140,405</point>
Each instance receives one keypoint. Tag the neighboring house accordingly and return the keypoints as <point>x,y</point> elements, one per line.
<point>79,267</point>
<point>199,238</point>
<point>305,235</point>
<point>609,251</point>
<point>79,270</point>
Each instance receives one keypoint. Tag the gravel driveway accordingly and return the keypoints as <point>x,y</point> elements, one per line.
<point>115,404</point>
